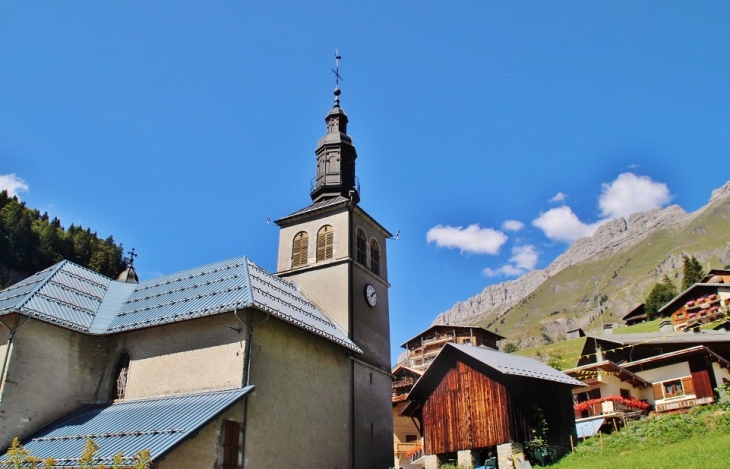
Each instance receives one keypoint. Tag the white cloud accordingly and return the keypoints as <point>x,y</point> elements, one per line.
<point>13,184</point>
<point>471,239</point>
<point>524,259</point>
<point>561,224</point>
<point>630,193</point>
<point>512,225</point>
<point>627,194</point>
<point>559,197</point>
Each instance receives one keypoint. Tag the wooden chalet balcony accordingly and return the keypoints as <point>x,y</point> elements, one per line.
<point>403,448</point>
<point>403,382</point>
<point>608,408</point>
<point>439,339</point>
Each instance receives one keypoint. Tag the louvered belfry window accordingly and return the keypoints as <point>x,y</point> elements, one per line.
<point>362,247</point>
<point>325,242</point>
<point>375,257</point>
<point>300,252</point>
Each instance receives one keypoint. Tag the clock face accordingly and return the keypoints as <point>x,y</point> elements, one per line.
<point>371,295</point>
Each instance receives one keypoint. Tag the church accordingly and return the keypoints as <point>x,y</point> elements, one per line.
<point>224,365</point>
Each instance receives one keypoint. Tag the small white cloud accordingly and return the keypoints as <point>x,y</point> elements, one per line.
<point>512,225</point>
<point>524,259</point>
<point>630,193</point>
<point>559,197</point>
<point>561,224</point>
<point>13,184</point>
<point>472,239</point>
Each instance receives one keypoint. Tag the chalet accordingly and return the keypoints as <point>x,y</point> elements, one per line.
<point>473,401</point>
<point>628,374</point>
<point>422,349</point>
<point>224,365</point>
<point>702,303</point>
<point>636,315</point>
<point>407,445</point>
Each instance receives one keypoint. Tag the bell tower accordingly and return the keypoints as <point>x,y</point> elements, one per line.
<point>336,255</point>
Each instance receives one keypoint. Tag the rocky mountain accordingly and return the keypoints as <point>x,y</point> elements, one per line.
<point>619,264</point>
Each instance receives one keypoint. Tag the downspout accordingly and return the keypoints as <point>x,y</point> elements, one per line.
<point>350,332</point>
<point>246,379</point>
<point>7,349</point>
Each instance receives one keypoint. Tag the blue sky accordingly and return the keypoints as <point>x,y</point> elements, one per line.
<point>490,134</point>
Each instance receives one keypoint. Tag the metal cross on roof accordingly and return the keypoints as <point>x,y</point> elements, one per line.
<point>336,70</point>
<point>130,259</point>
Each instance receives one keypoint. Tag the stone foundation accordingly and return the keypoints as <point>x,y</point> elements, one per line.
<point>430,461</point>
<point>465,459</point>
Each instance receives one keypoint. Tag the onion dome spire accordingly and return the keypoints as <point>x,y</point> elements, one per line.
<point>335,154</point>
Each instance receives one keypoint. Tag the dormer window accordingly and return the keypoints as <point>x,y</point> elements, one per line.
<point>325,243</point>
<point>300,249</point>
<point>375,257</point>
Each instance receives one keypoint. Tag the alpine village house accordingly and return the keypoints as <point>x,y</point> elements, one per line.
<point>220,366</point>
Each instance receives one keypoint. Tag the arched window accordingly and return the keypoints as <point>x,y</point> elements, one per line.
<point>375,257</point>
<point>121,376</point>
<point>300,251</point>
<point>325,241</point>
<point>362,247</point>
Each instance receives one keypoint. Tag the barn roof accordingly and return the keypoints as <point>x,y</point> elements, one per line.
<point>157,424</point>
<point>80,299</point>
<point>503,363</point>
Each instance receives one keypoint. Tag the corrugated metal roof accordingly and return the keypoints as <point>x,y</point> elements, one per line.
<point>589,427</point>
<point>511,364</point>
<point>80,299</point>
<point>157,424</point>
<point>656,338</point>
<point>65,294</point>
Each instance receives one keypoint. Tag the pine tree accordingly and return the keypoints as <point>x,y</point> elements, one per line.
<point>692,271</point>
<point>660,295</point>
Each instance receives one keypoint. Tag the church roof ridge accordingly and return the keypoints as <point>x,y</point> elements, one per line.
<point>80,299</point>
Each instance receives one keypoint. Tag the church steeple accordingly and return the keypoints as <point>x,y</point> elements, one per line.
<point>335,156</point>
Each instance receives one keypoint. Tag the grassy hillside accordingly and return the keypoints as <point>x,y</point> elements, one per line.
<point>569,299</point>
<point>698,439</point>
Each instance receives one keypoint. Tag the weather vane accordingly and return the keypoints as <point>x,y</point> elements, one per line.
<point>336,70</point>
<point>130,259</point>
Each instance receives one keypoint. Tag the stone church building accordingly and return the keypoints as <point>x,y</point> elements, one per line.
<point>220,366</point>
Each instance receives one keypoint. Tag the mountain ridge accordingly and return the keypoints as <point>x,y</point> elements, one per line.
<point>620,244</point>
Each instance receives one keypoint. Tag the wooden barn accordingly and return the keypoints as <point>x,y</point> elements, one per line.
<point>473,401</point>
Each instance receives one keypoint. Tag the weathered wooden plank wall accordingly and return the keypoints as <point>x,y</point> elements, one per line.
<point>466,410</point>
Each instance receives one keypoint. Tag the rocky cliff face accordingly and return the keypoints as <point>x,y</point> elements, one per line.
<point>613,237</point>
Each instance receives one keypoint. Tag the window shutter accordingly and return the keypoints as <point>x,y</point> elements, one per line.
<point>361,247</point>
<point>688,385</point>
<point>658,394</point>
<point>300,250</point>
<point>375,257</point>
<point>231,444</point>
<point>325,242</point>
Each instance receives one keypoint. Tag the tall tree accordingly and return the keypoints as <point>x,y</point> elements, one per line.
<point>660,295</point>
<point>692,271</point>
<point>31,241</point>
